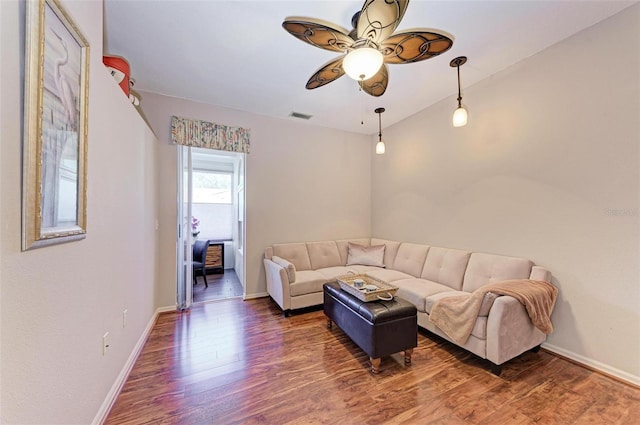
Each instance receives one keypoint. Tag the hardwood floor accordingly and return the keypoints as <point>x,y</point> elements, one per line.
<point>221,286</point>
<point>242,362</point>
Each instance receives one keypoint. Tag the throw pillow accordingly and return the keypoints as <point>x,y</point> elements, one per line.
<point>365,255</point>
<point>289,267</point>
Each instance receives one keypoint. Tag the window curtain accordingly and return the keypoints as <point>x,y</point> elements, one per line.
<point>203,134</point>
<point>216,221</point>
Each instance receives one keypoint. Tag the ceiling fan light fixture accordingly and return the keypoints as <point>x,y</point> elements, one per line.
<point>362,63</point>
<point>369,47</point>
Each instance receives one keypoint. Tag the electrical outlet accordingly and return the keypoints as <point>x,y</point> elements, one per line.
<point>106,341</point>
<point>124,317</point>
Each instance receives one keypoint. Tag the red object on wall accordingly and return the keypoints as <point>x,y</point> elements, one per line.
<point>119,69</point>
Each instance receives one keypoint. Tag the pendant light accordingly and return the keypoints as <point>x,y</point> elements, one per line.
<point>460,114</point>
<point>380,148</point>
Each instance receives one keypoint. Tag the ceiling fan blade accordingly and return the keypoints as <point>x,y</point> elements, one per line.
<point>377,85</point>
<point>380,18</point>
<point>329,72</point>
<point>319,33</point>
<point>414,46</point>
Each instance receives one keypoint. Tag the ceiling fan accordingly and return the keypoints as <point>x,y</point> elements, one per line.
<point>369,47</point>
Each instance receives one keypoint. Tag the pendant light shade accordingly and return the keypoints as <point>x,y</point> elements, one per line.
<point>380,147</point>
<point>460,115</point>
<point>362,63</point>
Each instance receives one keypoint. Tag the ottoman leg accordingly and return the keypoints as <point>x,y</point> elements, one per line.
<point>407,356</point>
<point>375,364</point>
<point>329,324</point>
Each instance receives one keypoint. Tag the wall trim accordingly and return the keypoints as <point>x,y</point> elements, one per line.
<point>113,393</point>
<point>166,309</point>
<point>594,365</point>
<point>253,296</point>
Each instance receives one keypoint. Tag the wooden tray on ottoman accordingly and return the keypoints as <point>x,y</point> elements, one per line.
<point>384,291</point>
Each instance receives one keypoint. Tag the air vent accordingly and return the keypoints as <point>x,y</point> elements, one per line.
<point>300,115</point>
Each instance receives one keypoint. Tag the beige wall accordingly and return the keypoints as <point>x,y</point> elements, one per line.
<point>303,183</point>
<point>546,169</point>
<point>58,301</point>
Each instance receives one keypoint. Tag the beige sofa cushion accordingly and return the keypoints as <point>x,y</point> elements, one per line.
<point>488,268</point>
<point>417,290</point>
<point>343,247</point>
<point>360,269</point>
<point>366,255</point>
<point>388,275</point>
<point>410,258</point>
<point>323,254</point>
<point>295,253</point>
<point>446,266</point>
<point>307,282</point>
<point>331,273</point>
<point>390,250</point>
<point>289,267</point>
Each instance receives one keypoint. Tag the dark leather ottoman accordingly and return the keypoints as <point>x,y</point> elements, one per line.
<point>379,328</point>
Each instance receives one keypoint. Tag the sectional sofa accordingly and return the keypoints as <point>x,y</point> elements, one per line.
<point>295,273</point>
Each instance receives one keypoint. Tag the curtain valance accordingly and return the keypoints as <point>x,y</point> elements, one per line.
<point>203,134</point>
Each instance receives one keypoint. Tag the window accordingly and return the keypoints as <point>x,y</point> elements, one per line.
<point>212,203</point>
<point>211,187</point>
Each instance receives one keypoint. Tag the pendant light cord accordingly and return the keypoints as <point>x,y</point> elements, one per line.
<point>459,94</point>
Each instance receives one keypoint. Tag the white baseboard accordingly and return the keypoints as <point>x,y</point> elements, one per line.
<point>165,310</point>
<point>252,296</point>
<point>593,364</point>
<point>101,416</point>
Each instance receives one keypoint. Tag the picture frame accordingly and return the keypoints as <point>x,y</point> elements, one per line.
<point>54,148</point>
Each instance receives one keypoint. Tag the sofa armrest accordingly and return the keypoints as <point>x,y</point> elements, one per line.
<point>540,273</point>
<point>510,332</point>
<point>277,284</point>
<point>289,267</point>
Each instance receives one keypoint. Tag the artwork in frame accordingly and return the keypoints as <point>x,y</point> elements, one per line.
<point>54,170</point>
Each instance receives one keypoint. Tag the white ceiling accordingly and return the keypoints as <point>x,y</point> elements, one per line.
<point>235,53</point>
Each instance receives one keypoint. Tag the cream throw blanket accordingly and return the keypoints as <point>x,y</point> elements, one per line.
<point>457,314</point>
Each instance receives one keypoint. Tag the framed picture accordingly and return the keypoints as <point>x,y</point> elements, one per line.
<point>54,170</point>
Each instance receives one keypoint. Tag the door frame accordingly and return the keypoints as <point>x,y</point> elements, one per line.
<point>184,277</point>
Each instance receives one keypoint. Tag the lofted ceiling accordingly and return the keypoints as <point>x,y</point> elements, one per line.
<point>236,54</point>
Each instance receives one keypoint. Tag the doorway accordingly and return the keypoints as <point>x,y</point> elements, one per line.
<point>211,204</point>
